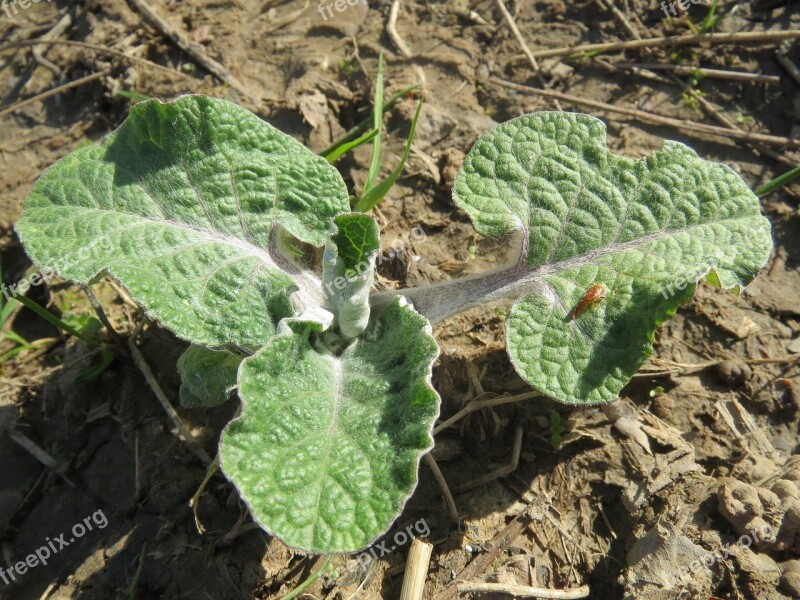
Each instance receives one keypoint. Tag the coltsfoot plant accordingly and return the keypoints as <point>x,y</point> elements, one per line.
<point>204,206</point>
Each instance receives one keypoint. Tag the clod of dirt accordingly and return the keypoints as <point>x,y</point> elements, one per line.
<point>762,573</point>
<point>754,467</point>
<point>785,489</point>
<point>740,505</point>
<point>770,516</point>
<point>734,372</point>
<point>557,70</point>
<point>793,474</point>
<point>660,563</point>
<point>790,577</point>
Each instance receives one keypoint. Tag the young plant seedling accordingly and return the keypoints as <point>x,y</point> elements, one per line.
<point>198,197</point>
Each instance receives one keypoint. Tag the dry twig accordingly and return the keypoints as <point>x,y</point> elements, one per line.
<point>786,62</point>
<point>419,557</point>
<point>391,30</point>
<point>38,453</point>
<point>621,18</point>
<point>52,92</point>
<point>712,73</point>
<point>37,52</point>
<point>518,34</point>
<point>480,405</point>
<point>690,127</point>
<point>717,115</point>
<point>437,473</point>
<point>195,501</point>
<point>523,591</point>
<point>195,50</point>
<point>512,465</point>
<point>96,47</point>
<point>502,540</point>
<point>191,443</point>
<point>744,37</point>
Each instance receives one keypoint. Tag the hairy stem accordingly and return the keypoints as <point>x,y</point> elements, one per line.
<point>441,300</point>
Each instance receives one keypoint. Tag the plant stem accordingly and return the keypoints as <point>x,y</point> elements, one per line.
<point>441,300</point>
<point>101,314</point>
<point>523,591</point>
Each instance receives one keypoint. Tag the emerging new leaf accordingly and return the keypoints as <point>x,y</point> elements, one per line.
<point>639,230</point>
<point>182,199</point>
<point>348,271</point>
<point>207,376</point>
<point>327,447</point>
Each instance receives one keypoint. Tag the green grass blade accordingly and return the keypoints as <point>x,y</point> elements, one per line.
<point>779,181</point>
<point>308,582</point>
<point>376,194</point>
<point>366,124</point>
<point>52,319</point>
<point>11,353</point>
<point>135,96</point>
<point>710,19</point>
<point>6,310</point>
<point>94,371</point>
<point>377,124</point>
<point>18,339</point>
<point>342,149</point>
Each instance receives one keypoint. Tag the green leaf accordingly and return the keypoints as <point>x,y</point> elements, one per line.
<point>348,271</point>
<point>327,447</point>
<point>134,96</point>
<point>645,230</point>
<point>179,204</point>
<point>207,376</point>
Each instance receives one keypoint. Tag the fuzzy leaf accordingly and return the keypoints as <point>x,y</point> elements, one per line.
<point>348,270</point>
<point>206,376</point>
<point>327,447</point>
<point>178,204</point>
<point>646,230</point>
